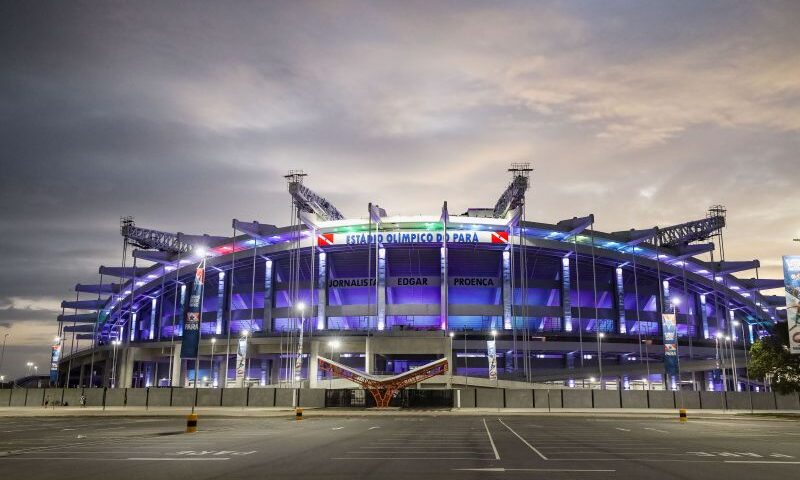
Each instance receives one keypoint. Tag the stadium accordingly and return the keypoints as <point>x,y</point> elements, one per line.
<point>505,300</point>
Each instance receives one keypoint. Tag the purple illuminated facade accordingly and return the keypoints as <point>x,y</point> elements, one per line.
<point>547,291</point>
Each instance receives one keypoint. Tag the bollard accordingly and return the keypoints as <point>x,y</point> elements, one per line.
<point>191,423</point>
<point>298,413</point>
<point>682,414</point>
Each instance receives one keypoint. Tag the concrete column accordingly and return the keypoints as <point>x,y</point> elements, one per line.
<point>312,364</point>
<point>126,368</point>
<point>275,370</point>
<point>368,360</point>
<point>322,292</point>
<point>448,353</point>
<point>80,374</point>
<point>221,365</point>
<point>177,371</point>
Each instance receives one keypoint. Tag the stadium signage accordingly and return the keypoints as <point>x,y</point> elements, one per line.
<point>415,281</point>
<point>669,327</point>
<point>791,278</point>
<point>191,323</point>
<point>401,237</point>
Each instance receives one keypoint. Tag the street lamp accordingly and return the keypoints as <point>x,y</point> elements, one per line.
<point>29,365</point>
<point>211,367</point>
<point>3,353</point>
<point>647,359</point>
<point>717,352</point>
<point>600,337</point>
<point>115,344</point>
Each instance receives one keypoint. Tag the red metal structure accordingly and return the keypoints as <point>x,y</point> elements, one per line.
<point>382,389</point>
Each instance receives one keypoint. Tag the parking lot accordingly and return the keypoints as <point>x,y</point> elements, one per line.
<point>399,446</point>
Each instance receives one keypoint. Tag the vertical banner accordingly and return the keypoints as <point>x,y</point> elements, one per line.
<point>566,301</point>
<point>241,359</point>
<point>791,278</point>
<point>443,285</point>
<point>152,332</point>
<point>191,323</point>
<point>669,327</point>
<point>268,300</point>
<point>381,297</point>
<point>491,353</point>
<point>507,293</point>
<point>621,301</point>
<point>220,303</point>
<point>55,355</point>
<point>322,291</point>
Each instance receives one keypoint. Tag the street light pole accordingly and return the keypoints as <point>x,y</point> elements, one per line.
<point>211,366</point>
<point>647,359</point>
<point>3,353</point>
<point>115,343</point>
<point>496,370</point>
<point>600,337</point>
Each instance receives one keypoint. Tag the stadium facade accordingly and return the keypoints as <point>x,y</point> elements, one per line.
<point>488,290</point>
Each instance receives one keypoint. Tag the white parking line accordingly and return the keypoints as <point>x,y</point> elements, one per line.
<point>491,441</point>
<point>523,440</point>
<point>501,469</point>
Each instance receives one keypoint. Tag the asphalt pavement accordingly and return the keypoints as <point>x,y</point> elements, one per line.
<point>399,446</point>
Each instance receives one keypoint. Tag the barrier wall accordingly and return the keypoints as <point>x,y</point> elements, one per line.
<point>606,399</point>
<point>547,399</point>
<point>470,398</point>
<point>183,397</point>
<point>519,398</point>
<point>159,397</point>
<point>209,397</point>
<point>311,397</point>
<point>5,397</point>
<point>265,397</point>
<point>661,399</point>
<point>712,400</point>
<point>576,398</point>
<point>489,398</point>
<point>234,397</point>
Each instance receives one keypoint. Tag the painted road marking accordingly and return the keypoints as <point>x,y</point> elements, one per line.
<point>337,428</point>
<point>135,459</point>
<point>762,462</point>
<point>373,428</point>
<point>500,469</point>
<point>623,429</point>
<point>491,441</point>
<point>656,430</point>
<point>523,440</point>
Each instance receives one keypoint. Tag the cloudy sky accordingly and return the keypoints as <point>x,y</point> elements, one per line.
<point>643,113</point>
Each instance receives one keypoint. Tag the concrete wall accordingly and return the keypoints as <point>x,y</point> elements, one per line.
<point>72,396</point>
<point>53,395</point>
<point>634,398</point>
<point>159,397</point>
<point>283,397</point>
<point>5,397</point>
<point>115,397</point>
<point>519,398</point>
<point>661,398</point>
<point>312,397</point>
<point>489,398</point>
<point>467,398</point>
<point>137,397</point>
<point>264,397</point>
<point>763,401</point>
<point>606,398</point>
<point>712,400</point>
<point>687,399</point>
<point>737,400</point>
<point>209,397</point>
<point>234,397</point>
<point>787,402</point>
<point>18,396</point>
<point>547,398</point>
<point>577,398</point>
<point>35,397</point>
<point>94,396</point>
<point>183,397</point>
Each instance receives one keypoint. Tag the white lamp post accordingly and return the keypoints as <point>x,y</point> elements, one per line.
<point>115,344</point>
<point>334,344</point>
<point>211,367</point>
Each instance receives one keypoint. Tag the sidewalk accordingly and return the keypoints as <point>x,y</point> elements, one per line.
<point>337,412</point>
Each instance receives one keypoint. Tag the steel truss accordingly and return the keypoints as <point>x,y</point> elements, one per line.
<point>383,389</point>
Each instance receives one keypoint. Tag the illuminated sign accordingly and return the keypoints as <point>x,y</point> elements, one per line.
<point>400,237</point>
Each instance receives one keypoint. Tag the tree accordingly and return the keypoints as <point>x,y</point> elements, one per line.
<point>771,361</point>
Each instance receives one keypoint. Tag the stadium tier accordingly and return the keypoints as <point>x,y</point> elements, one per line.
<point>504,299</point>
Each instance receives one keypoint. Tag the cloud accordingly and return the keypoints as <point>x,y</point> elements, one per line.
<point>639,113</point>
